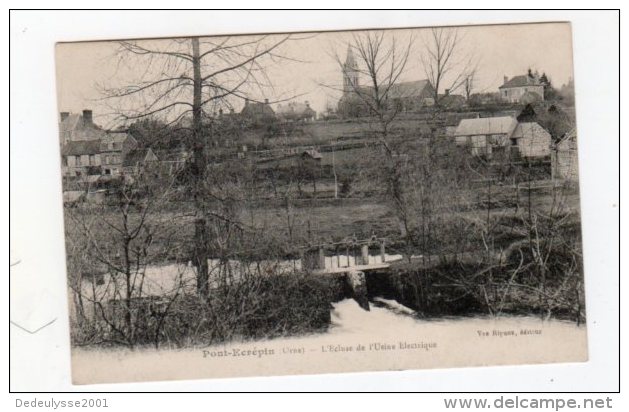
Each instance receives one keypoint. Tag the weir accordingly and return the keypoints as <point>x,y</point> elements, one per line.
<point>352,265</point>
<point>346,257</point>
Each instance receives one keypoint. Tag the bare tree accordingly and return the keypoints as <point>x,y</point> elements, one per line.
<point>192,76</point>
<point>446,64</point>
<point>469,85</point>
<point>111,246</point>
<point>381,60</point>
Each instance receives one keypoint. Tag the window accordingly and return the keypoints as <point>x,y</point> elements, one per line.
<point>514,142</point>
<point>107,171</point>
<point>64,161</point>
<point>77,160</point>
<point>92,160</point>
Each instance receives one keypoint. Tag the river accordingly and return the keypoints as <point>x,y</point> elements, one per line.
<point>388,337</point>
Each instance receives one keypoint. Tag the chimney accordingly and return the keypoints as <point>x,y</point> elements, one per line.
<point>505,79</point>
<point>87,117</point>
<point>307,104</point>
<point>64,115</point>
<point>220,112</point>
<point>266,101</point>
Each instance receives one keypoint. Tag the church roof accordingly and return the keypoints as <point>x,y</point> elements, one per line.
<point>401,90</point>
<point>408,89</point>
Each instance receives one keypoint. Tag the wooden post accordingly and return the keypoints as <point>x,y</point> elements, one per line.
<point>382,253</point>
<point>302,260</point>
<point>347,254</point>
<point>321,263</point>
<point>354,254</point>
<point>364,254</point>
<point>338,257</point>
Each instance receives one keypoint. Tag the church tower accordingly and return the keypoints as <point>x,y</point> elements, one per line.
<point>350,73</point>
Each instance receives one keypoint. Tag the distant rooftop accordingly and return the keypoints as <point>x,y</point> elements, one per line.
<point>521,81</point>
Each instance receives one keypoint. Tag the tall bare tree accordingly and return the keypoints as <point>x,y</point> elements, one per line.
<point>447,64</point>
<point>381,60</point>
<point>191,77</point>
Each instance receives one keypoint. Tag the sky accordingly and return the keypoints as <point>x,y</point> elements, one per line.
<point>312,73</point>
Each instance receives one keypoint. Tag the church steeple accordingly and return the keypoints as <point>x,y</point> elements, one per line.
<point>350,72</point>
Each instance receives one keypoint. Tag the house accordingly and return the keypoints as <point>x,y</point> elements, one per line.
<point>564,158</point>
<point>532,140</point>
<point>295,111</point>
<point>136,159</point>
<point>490,135</point>
<point>482,135</point>
<point>78,127</point>
<point>114,147</point>
<point>256,114</point>
<point>81,158</point>
<point>527,88</point>
<point>452,101</point>
<point>402,96</point>
<point>173,161</point>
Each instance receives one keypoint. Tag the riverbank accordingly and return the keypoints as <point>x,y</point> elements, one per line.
<point>389,337</point>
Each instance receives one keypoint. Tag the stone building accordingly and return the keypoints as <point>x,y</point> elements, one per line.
<point>401,96</point>
<point>527,88</point>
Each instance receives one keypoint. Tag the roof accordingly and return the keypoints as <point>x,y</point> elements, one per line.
<point>485,126</point>
<point>177,155</point>
<point>137,156</point>
<point>568,140</point>
<point>75,124</point>
<point>70,123</point>
<point>257,109</point>
<point>528,129</point>
<point>417,88</point>
<point>520,81</point>
<point>294,108</point>
<point>81,147</point>
<point>408,89</point>
<point>312,153</point>
<point>117,137</point>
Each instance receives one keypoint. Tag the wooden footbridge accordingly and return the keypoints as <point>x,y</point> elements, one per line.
<point>347,256</point>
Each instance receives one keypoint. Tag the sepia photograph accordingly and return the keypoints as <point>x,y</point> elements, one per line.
<point>321,202</point>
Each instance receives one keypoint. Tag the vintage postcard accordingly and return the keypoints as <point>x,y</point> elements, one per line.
<point>304,203</point>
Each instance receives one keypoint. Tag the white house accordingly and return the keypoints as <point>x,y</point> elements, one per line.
<point>485,136</point>
<point>531,139</point>
<point>481,135</point>
<point>522,89</point>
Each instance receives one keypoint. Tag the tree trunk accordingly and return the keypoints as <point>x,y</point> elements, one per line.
<point>200,165</point>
